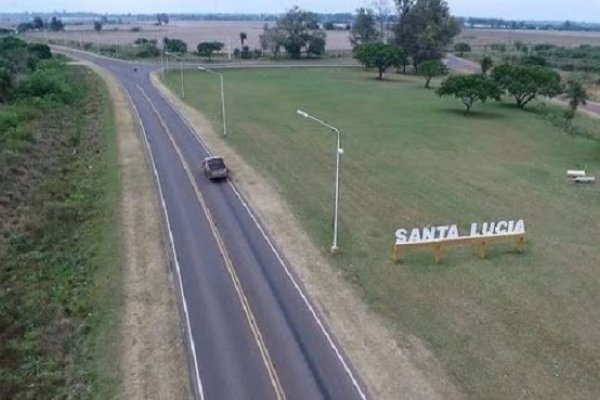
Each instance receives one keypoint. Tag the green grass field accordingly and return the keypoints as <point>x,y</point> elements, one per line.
<point>514,326</point>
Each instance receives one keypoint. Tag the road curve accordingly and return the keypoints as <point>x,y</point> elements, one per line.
<point>252,332</point>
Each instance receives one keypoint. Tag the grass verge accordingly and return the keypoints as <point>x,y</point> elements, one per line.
<point>509,327</point>
<point>59,295</point>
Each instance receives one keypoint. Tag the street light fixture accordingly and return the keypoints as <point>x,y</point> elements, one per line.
<point>338,154</point>
<point>201,68</point>
<point>168,53</point>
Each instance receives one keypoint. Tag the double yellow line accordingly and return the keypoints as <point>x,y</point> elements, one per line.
<point>266,358</point>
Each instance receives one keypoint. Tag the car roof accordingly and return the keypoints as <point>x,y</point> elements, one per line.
<point>213,158</point>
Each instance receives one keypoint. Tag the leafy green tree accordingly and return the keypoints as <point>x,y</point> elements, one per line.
<point>527,82</point>
<point>470,89</point>
<point>328,26</point>
<point>430,69</point>
<point>148,48</point>
<point>162,18</point>
<point>316,45</point>
<point>56,25</point>
<point>378,55</point>
<point>38,23</point>
<point>363,30</point>
<point>576,95</point>
<point>534,60</point>
<point>24,27</point>
<point>97,26</point>
<point>272,39</point>
<point>39,51</point>
<point>174,45</point>
<point>486,64</point>
<point>298,27</point>
<point>424,29</point>
<point>206,49</point>
<point>462,48</point>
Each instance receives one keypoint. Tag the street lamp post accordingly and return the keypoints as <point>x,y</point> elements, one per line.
<point>162,64</point>
<point>182,86</point>
<point>201,68</point>
<point>338,155</point>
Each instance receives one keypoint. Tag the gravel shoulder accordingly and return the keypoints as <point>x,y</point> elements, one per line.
<point>152,357</point>
<point>392,363</point>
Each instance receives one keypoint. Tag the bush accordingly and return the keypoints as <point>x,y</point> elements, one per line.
<point>175,45</point>
<point>245,54</point>
<point>49,81</point>
<point>135,29</point>
<point>41,51</point>
<point>534,60</point>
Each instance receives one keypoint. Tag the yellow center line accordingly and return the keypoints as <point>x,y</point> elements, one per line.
<point>268,362</point>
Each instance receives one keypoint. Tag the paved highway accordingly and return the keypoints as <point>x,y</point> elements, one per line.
<point>251,331</point>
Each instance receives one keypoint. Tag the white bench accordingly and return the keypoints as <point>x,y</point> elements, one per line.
<point>584,179</point>
<point>574,173</point>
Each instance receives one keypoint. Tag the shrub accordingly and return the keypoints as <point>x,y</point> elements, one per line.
<point>246,53</point>
<point>49,81</point>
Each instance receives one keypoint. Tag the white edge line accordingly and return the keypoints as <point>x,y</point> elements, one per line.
<point>283,264</point>
<point>174,250</point>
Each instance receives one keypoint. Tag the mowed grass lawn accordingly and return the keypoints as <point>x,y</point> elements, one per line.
<point>513,326</point>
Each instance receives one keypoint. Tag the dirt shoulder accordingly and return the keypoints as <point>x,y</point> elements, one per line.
<point>392,364</point>
<point>152,358</point>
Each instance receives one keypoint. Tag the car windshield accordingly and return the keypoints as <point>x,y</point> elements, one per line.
<point>216,163</point>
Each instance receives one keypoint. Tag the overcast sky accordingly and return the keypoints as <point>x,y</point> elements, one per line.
<point>559,10</point>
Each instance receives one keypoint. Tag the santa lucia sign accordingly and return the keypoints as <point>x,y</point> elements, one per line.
<point>437,237</point>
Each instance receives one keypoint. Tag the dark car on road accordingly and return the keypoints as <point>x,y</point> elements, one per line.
<point>214,168</point>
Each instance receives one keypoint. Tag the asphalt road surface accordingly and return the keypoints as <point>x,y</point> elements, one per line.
<point>251,331</point>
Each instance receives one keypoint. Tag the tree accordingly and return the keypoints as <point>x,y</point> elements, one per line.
<point>243,38</point>
<point>24,27</point>
<point>97,26</point>
<point>174,45</point>
<point>403,61</point>
<point>162,19</point>
<point>56,25</point>
<point>206,49</point>
<point>576,96</point>
<point>382,16</point>
<point>486,64</point>
<point>298,27</point>
<point>40,51</point>
<point>462,48</point>
<point>534,60</point>
<point>526,82</point>
<point>363,30</point>
<point>470,89</point>
<point>316,45</point>
<point>328,26</point>
<point>378,55</point>
<point>272,39</point>
<point>430,69</point>
<point>38,23</point>
<point>424,28</point>
<point>148,48</point>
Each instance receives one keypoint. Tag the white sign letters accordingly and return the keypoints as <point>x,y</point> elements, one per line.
<point>433,234</point>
